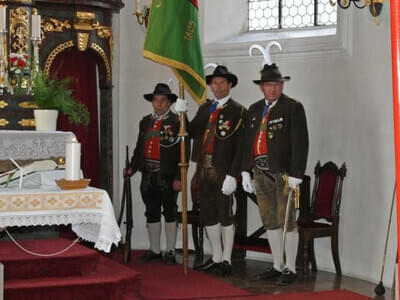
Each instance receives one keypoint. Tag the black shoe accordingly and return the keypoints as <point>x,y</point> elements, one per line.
<point>268,274</point>
<point>224,269</point>
<point>169,258</point>
<point>208,266</point>
<point>149,256</point>
<point>287,277</point>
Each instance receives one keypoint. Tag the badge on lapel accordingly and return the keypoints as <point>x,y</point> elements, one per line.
<point>274,126</point>
<point>167,135</point>
<point>223,126</point>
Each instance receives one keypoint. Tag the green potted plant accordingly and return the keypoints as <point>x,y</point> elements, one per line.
<point>52,94</point>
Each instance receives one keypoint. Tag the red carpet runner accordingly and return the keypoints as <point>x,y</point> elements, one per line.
<point>160,281</point>
<point>321,295</point>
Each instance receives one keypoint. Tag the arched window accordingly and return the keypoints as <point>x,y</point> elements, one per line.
<point>290,14</point>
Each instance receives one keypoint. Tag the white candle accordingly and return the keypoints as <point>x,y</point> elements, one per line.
<point>36,26</point>
<point>72,161</point>
<point>3,18</point>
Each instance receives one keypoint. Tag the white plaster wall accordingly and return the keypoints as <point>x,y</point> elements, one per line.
<point>349,109</point>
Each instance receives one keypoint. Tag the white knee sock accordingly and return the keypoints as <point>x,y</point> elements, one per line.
<point>154,231</point>
<point>170,234</point>
<point>214,235</point>
<point>275,242</point>
<point>228,237</point>
<point>291,244</point>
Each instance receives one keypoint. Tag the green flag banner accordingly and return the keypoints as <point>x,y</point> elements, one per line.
<point>172,39</point>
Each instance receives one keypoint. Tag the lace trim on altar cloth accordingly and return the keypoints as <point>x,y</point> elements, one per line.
<point>90,212</point>
<point>33,145</point>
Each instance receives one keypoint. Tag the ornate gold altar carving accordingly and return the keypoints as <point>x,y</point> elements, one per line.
<point>84,20</point>
<point>103,55</point>
<point>55,25</point>
<point>19,30</point>
<point>3,122</point>
<point>60,48</point>
<point>3,104</point>
<point>27,122</point>
<point>83,39</point>
<point>27,105</point>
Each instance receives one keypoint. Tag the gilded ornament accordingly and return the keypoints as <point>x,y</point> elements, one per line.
<point>60,48</point>
<point>55,25</point>
<point>103,55</point>
<point>3,122</point>
<point>83,39</point>
<point>61,161</point>
<point>27,122</point>
<point>3,104</point>
<point>84,20</point>
<point>27,105</point>
<point>19,30</point>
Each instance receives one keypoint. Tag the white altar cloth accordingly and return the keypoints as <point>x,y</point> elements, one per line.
<point>88,210</point>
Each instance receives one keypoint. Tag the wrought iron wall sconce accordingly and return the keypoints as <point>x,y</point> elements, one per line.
<point>358,3</point>
<point>375,6</point>
<point>346,3</point>
<point>142,16</point>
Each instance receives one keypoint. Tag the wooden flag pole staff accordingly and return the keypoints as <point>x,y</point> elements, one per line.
<point>395,39</point>
<point>183,167</point>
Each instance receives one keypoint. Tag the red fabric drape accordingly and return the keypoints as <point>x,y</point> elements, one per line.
<point>81,68</point>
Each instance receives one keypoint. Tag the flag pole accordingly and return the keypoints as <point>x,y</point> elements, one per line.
<point>183,168</point>
<point>395,39</point>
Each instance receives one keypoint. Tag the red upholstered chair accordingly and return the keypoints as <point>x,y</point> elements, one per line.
<point>325,205</point>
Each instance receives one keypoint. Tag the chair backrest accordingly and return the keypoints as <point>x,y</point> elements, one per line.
<point>327,192</point>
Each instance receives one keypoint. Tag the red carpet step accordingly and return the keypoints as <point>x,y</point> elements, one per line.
<point>105,280</point>
<point>18,264</point>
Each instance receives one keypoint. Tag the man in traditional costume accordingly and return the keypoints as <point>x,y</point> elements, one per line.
<point>157,156</point>
<point>217,131</point>
<point>275,149</point>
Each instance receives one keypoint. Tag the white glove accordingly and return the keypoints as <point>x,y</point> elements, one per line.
<point>294,182</point>
<point>246,182</point>
<point>181,105</point>
<point>229,185</point>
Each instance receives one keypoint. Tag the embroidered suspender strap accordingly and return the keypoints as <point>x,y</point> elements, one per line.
<point>210,131</point>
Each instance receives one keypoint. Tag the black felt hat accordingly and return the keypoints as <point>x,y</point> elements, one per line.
<point>222,71</point>
<point>161,89</point>
<point>271,73</point>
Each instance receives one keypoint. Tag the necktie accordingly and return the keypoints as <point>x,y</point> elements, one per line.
<point>266,108</point>
<point>213,106</point>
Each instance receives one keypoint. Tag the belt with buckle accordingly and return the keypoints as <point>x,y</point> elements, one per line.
<point>261,162</point>
<point>152,165</point>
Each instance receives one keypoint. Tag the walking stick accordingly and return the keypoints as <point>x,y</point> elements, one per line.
<point>183,168</point>
<point>380,289</point>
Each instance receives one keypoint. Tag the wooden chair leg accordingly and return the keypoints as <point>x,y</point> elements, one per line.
<point>201,241</point>
<point>305,258</point>
<point>335,254</point>
<point>195,237</point>
<point>299,258</point>
<point>312,257</point>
